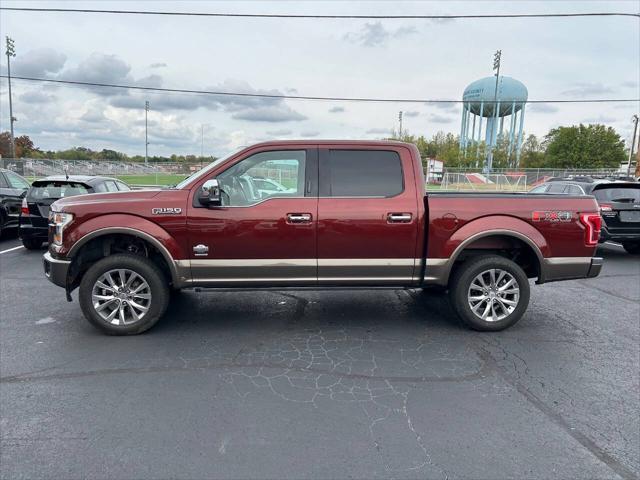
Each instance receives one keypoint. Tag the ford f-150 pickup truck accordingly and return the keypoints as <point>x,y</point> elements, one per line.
<point>345,214</point>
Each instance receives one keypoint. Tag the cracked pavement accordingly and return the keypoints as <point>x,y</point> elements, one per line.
<point>347,384</point>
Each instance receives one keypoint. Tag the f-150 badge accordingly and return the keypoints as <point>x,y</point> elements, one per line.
<point>166,211</point>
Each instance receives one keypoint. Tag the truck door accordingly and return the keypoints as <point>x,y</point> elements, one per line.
<point>264,231</point>
<point>367,217</point>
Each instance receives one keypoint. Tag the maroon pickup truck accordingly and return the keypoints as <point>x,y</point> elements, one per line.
<point>315,214</point>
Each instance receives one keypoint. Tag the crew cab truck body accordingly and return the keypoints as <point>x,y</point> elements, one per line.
<point>352,214</point>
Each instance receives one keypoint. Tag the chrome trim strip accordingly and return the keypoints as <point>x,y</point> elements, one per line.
<point>300,262</point>
<point>301,279</point>
<point>253,262</point>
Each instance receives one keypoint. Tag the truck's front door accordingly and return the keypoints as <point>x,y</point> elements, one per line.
<point>367,217</point>
<point>264,231</point>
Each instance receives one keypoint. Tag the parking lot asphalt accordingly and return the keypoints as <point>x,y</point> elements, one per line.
<point>349,384</point>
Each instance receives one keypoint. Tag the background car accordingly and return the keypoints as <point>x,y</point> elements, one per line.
<point>34,212</point>
<point>619,206</point>
<point>12,190</point>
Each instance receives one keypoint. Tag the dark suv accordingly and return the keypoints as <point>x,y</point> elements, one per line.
<point>34,214</point>
<point>619,206</point>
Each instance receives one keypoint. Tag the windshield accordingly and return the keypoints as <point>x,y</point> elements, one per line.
<point>613,194</point>
<point>204,170</point>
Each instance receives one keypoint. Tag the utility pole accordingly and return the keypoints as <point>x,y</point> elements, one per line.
<point>201,143</point>
<point>11,52</point>
<point>634,119</point>
<point>146,133</point>
<point>496,66</point>
<point>400,123</point>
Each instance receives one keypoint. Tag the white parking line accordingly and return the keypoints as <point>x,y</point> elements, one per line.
<point>11,249</point>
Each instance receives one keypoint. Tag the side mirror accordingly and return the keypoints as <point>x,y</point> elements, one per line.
<point>210,193</point>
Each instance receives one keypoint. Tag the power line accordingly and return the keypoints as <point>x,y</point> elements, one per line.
<point>297,97</point>
<point>308,16</point>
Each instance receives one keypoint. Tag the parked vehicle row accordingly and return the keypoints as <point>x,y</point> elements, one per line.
<point>34,215</point>
<point>619,204</point>
<point>353,215</point>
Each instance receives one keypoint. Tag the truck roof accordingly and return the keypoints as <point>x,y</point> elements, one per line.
<point>378,143</point>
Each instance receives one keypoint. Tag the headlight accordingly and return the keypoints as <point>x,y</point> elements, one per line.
<point>58,221</point>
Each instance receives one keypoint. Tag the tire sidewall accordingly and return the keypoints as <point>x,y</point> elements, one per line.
<point>143,267</point>
<point>461,282</point>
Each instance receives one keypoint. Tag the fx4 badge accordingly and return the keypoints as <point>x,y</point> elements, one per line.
<point>166,211</point>
<point>551,216</point>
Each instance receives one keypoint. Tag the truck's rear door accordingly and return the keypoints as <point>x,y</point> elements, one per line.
<point>367,216</point>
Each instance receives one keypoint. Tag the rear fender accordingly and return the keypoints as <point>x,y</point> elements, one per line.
<point>439,269</point>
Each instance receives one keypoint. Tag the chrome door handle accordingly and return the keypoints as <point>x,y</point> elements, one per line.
<point>298,218</point>
<point>399,217</point>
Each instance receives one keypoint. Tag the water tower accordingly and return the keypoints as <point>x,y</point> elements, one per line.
<point>495,102</point>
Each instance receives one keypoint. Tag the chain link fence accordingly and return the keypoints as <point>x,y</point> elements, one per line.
<point>133,173</point>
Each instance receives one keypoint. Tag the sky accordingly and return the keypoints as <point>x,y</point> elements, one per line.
<point>560,58</point>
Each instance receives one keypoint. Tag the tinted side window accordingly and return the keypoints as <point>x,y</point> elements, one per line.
<point>556,188</point>
<point>16,181</point>
<point>361,173</point>
<point>110,186</point>
<point>3,182</point>
<point>122,187</point>
<point>573,190</point>
<point>540,189</point>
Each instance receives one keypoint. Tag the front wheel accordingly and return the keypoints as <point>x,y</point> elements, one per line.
<point>489,293</point>
<point>632,247</point>
<point>123,294</point>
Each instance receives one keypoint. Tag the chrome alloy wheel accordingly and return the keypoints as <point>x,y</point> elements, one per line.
<point>493,295</point>
<point>121,297</point>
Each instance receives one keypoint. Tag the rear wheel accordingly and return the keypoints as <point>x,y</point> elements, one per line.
<point>32,243</point>
<point>632,247</point>
<point>123,294</point>
<point>489,293</point>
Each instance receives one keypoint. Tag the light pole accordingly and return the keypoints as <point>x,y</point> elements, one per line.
<point>11,52</point>
<point>400,124</point>
<point>496,66</point>
<point>634,119</point>
<point>146,133</point>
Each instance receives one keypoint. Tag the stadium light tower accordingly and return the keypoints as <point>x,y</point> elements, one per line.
<point>496,107</point>
<point>146,133</point>
<point>11,52</point>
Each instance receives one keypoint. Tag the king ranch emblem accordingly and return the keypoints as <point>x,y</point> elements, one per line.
<point>551,216</point>
<point>166,211</point>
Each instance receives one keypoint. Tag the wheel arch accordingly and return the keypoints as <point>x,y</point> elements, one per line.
<point>177,276</point>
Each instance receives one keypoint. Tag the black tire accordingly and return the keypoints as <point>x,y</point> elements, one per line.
<point>145,268</point>
<point>32,243</point>
<point>632,247</point>
<point>460,293</point>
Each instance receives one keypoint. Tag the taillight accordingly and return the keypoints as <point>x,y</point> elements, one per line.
<point>605,207</point>
<point>592,224</point>
<point>24,210</point>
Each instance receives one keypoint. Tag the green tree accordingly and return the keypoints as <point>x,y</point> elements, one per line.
<point>532,155</point>
<point>583,146</point>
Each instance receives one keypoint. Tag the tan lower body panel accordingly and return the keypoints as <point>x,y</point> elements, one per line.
<point>275,272</point>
